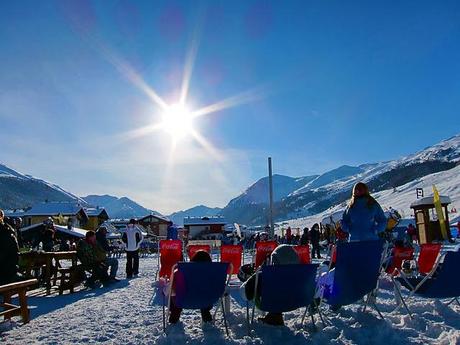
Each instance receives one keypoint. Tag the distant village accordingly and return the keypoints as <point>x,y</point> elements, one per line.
<point>71,221</point>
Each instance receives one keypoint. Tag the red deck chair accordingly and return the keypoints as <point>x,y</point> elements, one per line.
<point>170,254</point>
<point>264,249</point>
<point>193,248</point>
<point>333,254</point>
<point>399,255</point>
<point>232,254</point>
<point>428,256</point>
<point>304,253</point>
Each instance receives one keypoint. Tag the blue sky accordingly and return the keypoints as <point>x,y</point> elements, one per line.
<point>336,83</point>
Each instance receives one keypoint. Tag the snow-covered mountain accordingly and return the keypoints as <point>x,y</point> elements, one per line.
<point>18,190</point>
<point>400,198</point>
<point>119,207</point>
<point>197,211</point>
<point>333,187</point>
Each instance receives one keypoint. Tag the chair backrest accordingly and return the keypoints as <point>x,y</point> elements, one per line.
<point>446,280</point>
<point>287,287</point>
<point>232,254</point>
<point>356,272</point>
<point>193,248</point>
<point>199,285</point>
<point>263,250</point>
<point>333,254</point>
<point>304,254</point>
<point>428,254</point>
<point>170,254</point>
<point>399,255</point>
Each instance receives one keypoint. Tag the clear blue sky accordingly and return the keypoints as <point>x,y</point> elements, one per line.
<point>342,83</point>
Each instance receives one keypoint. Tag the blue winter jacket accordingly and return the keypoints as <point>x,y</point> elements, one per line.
<point>363,222</point>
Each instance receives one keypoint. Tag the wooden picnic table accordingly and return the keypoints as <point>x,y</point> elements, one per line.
<point>38,259</point>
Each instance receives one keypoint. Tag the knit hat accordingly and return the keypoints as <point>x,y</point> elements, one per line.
<point>284,255</point>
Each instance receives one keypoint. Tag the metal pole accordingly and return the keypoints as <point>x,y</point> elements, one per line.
<point>270,183</point>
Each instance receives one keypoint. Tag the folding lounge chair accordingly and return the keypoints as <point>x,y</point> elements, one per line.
<point>232,254</point>
<point>170,254</point>
<point>198,285</point>
<point>442,282</point>
<point>264,250</point>
<point>283,288</point>
<point>427,257</point>
<point>193,248</point>
<point>399,255</point>
<point>304,254</point>
<point>356,274</point>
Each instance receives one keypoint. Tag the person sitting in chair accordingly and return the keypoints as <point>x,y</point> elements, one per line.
<point>92,257</point>
<point>282,255</point>
<point>174,316</point>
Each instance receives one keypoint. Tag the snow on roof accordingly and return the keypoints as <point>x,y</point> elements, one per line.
<point>166,219</point>
<point>204,220</point>
<point>54,209</point>
<point>77,232</point>
<point>94,211</point>
<point>14,213</point>
<point>429,201</point>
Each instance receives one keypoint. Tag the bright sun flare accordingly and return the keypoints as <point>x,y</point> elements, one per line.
<point>177,121</point>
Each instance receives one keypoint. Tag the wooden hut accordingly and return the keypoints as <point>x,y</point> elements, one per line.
<point>428,226</point>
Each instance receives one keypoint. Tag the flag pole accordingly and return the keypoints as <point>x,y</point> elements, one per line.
<point>270,186</point>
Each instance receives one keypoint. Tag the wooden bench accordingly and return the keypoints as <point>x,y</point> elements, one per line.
<point>9,290</point>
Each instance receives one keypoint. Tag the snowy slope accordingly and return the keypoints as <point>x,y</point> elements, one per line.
<point>130,312</point>
<point>447,182</point>
<point>18,190</point>
<point>333,187</point>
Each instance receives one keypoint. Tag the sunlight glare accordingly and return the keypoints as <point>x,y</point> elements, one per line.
<point>177,121</point>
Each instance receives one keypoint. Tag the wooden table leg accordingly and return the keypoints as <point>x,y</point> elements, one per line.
<point>23,304</point>
<point>73,274</point>
<point>48,275</point>
<point>7,299</point>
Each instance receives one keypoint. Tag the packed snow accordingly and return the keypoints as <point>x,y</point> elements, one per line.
<point>130,312</point>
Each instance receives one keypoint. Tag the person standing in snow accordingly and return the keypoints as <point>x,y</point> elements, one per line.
<point>363,219</point>
<point>314,239</point>
<point>9,253</point>
<point>304,237</point>
<point>171,232</point>
<point>132,237</point>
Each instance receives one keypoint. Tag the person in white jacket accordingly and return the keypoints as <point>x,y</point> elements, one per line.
<point>132,237</point>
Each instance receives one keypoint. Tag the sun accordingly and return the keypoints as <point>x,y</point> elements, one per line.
<point>177,121</point>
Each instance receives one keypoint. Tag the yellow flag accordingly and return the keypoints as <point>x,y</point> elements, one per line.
<point>438,206</point>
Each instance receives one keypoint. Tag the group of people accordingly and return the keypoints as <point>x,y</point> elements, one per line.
<point>362,220</point>
<point>93,251</point>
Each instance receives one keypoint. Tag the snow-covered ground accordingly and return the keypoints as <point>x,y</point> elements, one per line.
<point>130,312</point>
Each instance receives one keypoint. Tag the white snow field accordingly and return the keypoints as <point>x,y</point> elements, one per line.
<point>130,312</point>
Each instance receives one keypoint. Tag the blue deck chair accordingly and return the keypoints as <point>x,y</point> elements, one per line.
<point>442,282</point>
<point>357,271</point>
<point>283,288</point>
<point>198,285</point>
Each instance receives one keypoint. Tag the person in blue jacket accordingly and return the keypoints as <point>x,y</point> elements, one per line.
<point>171,232</point>
<point>363,219</point>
